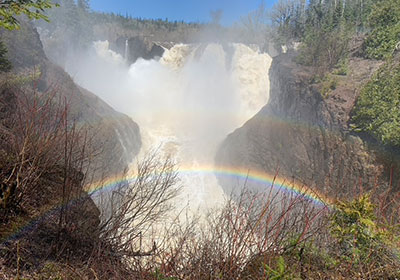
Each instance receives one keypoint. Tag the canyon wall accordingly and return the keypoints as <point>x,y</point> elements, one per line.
<point>303,133</point>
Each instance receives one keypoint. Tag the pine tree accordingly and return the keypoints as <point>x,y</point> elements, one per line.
<point>5,64</point>
<point>84,5</point>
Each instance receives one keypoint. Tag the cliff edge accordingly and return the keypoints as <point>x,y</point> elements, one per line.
<point>304,133</point>
<point>117,136</point>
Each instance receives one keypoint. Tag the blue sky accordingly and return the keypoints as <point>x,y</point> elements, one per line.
<point>187,10</point>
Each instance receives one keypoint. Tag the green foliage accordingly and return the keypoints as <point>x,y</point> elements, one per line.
<point>342,67</point>
<point>353,225</point>
<point>361,238</point>
<point>328,29</point>
<point>52,271</point>
<point>328,84</point>
<point>377,108</point>
<point>280,272</point>
<point>25,79</point>
<point>296,18</point>
<point>5,64</point>
<point>160,276</point>
<point>33,9</point>
<point>323,27</point>
<point>364,242</point>
<point>289,18</point>
<point>323,48</point>
<point>384,21</point>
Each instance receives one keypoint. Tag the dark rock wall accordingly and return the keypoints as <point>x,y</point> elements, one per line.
<point>306,136</point>
<point>138,47</point>
<point>117,136</point>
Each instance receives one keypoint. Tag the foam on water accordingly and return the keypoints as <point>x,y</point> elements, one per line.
<point>186,102</point>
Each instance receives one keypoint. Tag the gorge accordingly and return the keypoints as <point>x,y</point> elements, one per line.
<point>158,149</point>
<point>191,97</point>
<point>185,102</point>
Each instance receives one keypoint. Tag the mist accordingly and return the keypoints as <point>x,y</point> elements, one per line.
<point>185,102</point>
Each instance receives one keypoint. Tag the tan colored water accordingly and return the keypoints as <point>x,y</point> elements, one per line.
<point>209,94</point>
<point>186,103</point>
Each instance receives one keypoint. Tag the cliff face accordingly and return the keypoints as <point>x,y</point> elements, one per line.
<point>138,47</point>
<point>117,136</point>
<point>305,134</point>
<point>45,209</point>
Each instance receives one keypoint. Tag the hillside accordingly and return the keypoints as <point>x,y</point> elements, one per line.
<point>304,132</point>
<point>118,136</point>
<point>331,121</point>
<point>56,138</point>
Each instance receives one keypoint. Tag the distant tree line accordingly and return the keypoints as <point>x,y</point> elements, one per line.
<point>377,110</point>
<point>296,18</point>
<point>76,25</point>
<point>323,26</point>
<point>325,29</point>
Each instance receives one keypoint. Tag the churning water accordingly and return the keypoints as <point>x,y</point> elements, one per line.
<point>186,102</point>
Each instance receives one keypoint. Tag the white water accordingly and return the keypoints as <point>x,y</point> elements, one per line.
<point>126,54</point>
<point>185,103</point>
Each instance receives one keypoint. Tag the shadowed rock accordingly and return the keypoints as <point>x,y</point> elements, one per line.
<point>138,47</point>
<point>307,136</point>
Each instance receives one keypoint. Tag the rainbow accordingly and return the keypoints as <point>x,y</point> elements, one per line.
<point>268,180</point>
<point>242,175</point>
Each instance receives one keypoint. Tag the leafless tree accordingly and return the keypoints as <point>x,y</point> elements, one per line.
<point>136,204</point>
<point>216,16</point>
<point>39,140</point>
<point>255,26</point>
<point>288,16</point>
<point>231,242</point>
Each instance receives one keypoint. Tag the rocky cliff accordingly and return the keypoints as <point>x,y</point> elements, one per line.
<point>138,47</point>
<point>304,131</point>
<point>46,214</point>
<point>117,136</point>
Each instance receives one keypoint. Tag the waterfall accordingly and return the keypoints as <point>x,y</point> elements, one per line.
<point>126,54</point>
<point>194,97</point>
<point>186,103</point>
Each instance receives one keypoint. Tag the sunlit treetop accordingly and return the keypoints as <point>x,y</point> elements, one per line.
<point>33,9</point>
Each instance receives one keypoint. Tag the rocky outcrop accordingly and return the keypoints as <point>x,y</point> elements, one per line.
<point>51,216</point>
<point>306,135</point>
<point>117,136</point>
<point>138,47</point>
<point>43,203</point>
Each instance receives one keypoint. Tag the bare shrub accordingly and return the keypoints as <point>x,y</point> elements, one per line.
<point>234,241</point>
<point>39,139</point>
<point>135,205</point>
<point>44,157</point>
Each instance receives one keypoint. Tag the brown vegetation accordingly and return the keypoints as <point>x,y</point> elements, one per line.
<point>51,229</point>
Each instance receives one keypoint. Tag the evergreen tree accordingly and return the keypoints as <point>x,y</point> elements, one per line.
<point>84,5</point>
<point>384,20</point>
<point>5,65</point>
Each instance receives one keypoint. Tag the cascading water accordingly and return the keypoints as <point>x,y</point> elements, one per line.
<point>126,54</point>
<point>185,103</point>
